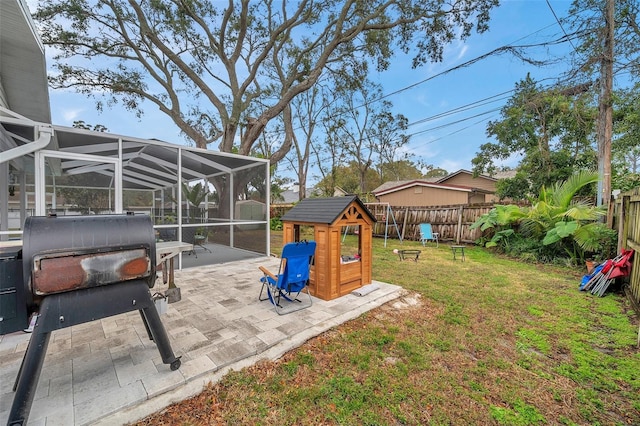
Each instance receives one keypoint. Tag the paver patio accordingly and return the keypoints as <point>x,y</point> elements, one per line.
<point>108,372</point>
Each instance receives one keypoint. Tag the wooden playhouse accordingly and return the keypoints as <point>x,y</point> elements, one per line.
<point>337,269</point>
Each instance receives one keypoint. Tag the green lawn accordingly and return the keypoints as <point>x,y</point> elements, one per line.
<point>485,341</point>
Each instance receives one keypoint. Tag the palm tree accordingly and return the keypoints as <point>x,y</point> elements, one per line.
<point>194,195</point>
<point>557,217</point>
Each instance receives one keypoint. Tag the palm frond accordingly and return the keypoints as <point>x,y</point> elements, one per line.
<point>583,212</point>
<point>565,191</point>
<point>589,236</point>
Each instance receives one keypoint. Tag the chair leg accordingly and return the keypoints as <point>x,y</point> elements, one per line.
<point>202,247</point>
<point>260,298</point>
<point>281,310</point>
<point>283,301</point>
<point>270,296</point>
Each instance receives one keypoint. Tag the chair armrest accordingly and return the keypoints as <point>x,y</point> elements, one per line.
<point>267,272</point>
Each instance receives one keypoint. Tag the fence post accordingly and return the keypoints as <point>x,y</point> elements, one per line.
<point>622,216</point>
<point>404,222</point>
<point>459,231</point>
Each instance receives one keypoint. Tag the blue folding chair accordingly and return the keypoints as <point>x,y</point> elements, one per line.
<point>292,279</point>
<point>427,234</point>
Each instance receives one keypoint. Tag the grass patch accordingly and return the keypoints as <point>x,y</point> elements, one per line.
<point>519,414</point>
<point>493,341</point>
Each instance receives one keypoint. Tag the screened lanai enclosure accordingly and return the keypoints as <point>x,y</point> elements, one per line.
<point>217,201</point>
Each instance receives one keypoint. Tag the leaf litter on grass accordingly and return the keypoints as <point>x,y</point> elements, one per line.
<point>490,341</point>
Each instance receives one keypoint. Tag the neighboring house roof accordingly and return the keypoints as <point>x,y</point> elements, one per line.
<point>289,196</point>
<point>505,174</point>
<point>23,68</point>
<point>292,196</point>
<point>461,171</point>
<point>439,182</point>
<point>395,183</point>
<point>410,184</point>
<point>322,210</point>
<point>337,191</point>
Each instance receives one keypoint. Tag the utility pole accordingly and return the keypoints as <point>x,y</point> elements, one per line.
<point>605,111</point>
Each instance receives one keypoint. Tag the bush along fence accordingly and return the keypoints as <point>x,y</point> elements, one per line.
<point>627,214</point>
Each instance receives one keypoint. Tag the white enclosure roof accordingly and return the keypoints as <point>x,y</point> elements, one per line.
<point>146,164</point>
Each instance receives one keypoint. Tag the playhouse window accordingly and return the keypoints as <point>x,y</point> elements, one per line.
<point>350,247</point>
<point>303,233</point>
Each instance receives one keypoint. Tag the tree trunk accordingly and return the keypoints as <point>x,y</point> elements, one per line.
<point>605,112</point>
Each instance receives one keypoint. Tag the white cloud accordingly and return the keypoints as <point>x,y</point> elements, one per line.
<point>71,115</point>
<point>453,165</point>
<point>462,51</point>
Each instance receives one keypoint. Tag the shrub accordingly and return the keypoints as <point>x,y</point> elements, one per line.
<point>275,224</point>
<point>556,228</point>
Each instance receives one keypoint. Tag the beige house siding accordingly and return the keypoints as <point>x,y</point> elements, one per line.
<point>492,198</point>
<point>426,196</point>
<point>465,179</point>
<point>477,198</point>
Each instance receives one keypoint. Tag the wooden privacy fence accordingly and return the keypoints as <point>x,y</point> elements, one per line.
<point>451,222</point>
<point>627,215</point>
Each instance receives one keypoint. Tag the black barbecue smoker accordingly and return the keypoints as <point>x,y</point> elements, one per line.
<point>72,270</point>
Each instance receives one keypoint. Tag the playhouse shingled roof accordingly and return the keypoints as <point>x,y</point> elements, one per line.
<point>322,210</point>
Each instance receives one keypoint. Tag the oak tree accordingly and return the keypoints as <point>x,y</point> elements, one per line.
<point>205,65</point>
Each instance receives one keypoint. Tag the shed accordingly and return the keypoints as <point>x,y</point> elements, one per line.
<point>334,273</point>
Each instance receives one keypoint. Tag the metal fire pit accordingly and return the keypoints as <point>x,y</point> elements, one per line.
<point>78,269</point>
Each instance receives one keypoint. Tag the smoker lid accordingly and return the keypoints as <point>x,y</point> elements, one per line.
<point>65,236</point>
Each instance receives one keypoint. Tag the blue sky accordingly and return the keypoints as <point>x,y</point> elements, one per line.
<point>449,142</point>
<point>452,141</point>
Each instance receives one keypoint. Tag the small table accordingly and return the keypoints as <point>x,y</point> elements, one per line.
<point>454,249</point>
<point>412,254</point>
<point>166,251</point>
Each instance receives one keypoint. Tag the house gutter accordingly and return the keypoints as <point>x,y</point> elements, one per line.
<point>45,133</point>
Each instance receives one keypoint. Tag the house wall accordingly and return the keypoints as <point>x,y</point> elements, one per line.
<point>478,198</point>
<point>493,198</point>
<point>465,179</point>
<point>425,196</point>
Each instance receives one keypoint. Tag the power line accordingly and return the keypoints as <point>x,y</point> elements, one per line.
<point>506,48</point>
<point>481,102</point>
<point>459,109</point>
<point>511,48</point>
<point>462,120</point>
<point>560,25</point>
<point>500,49</point>
<point>456,131</point>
